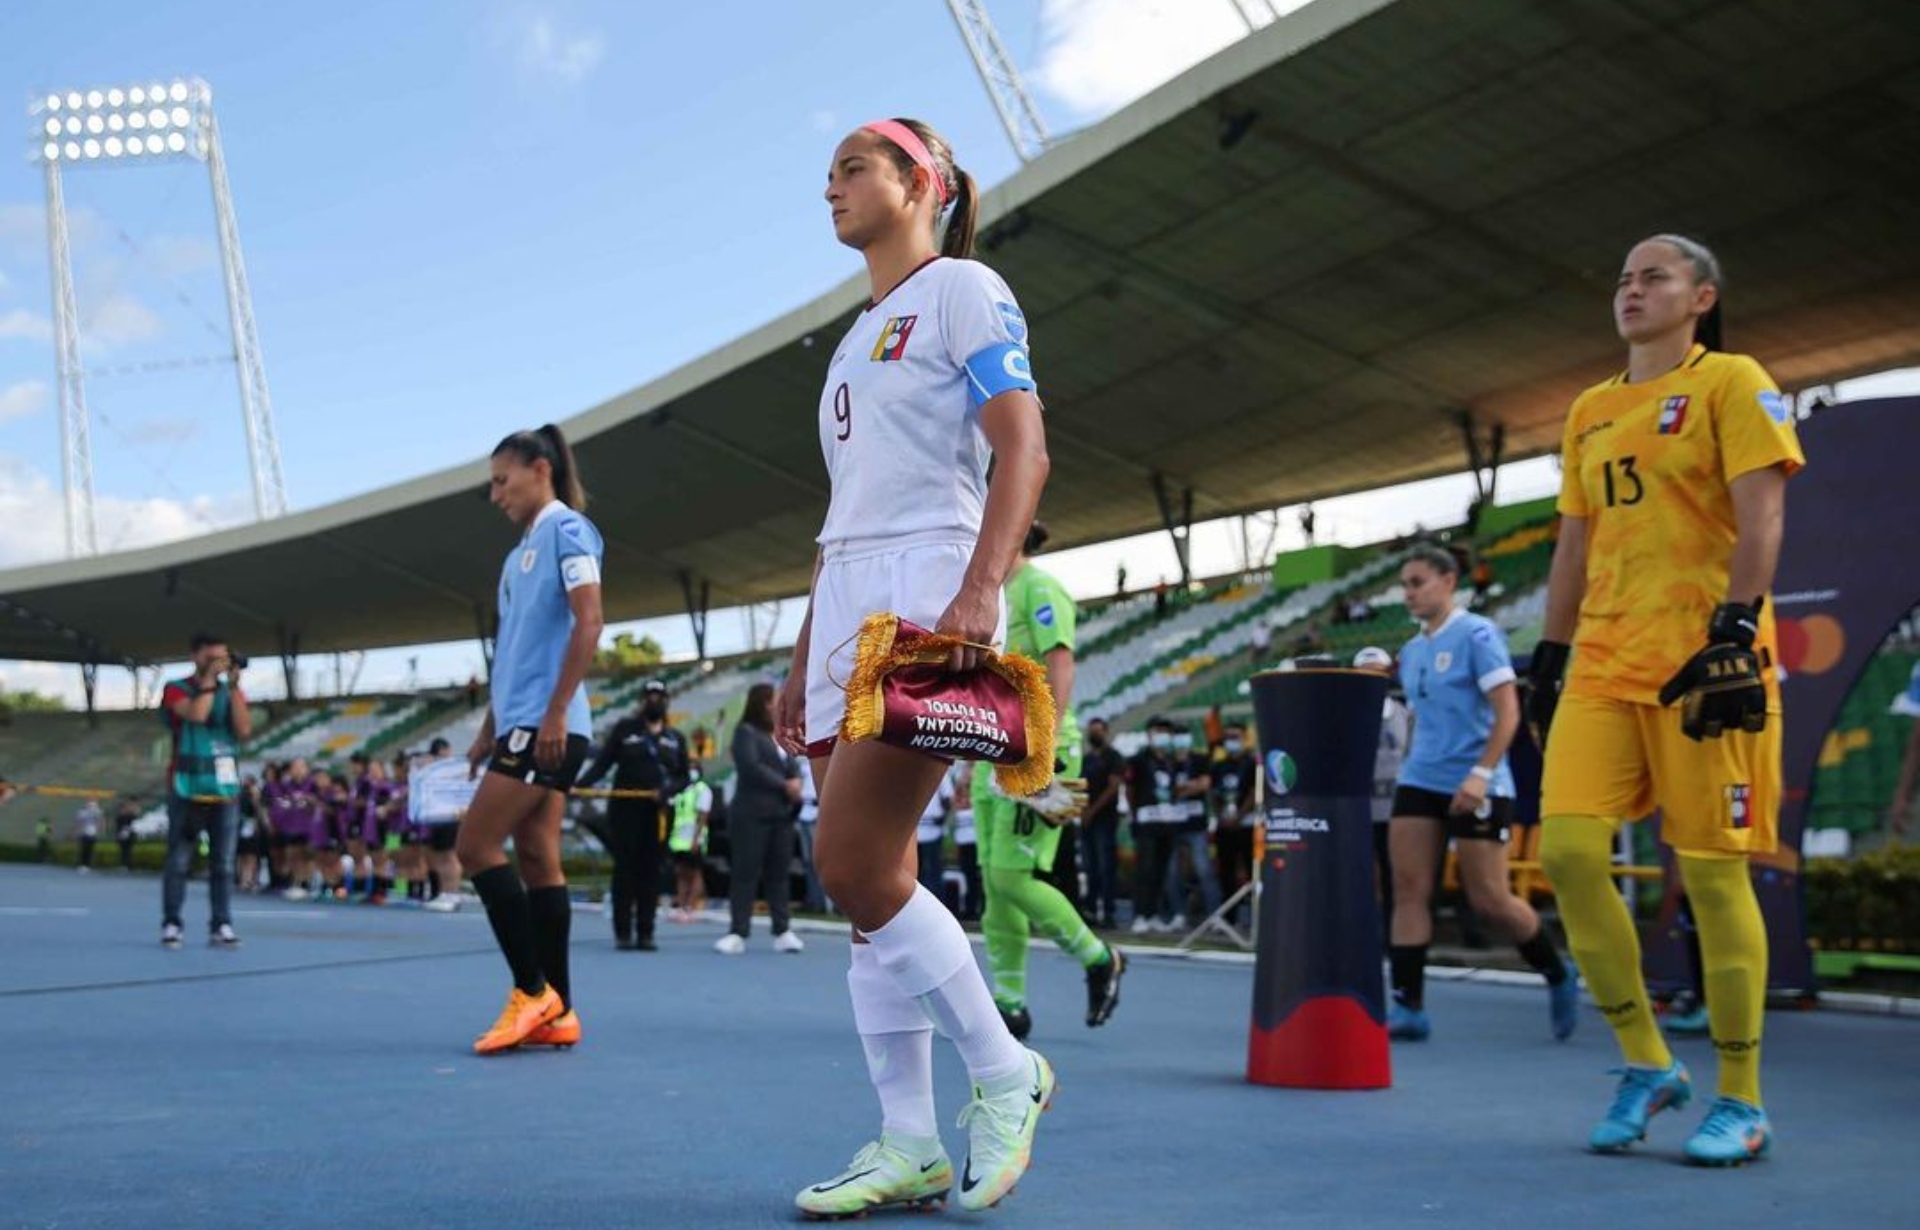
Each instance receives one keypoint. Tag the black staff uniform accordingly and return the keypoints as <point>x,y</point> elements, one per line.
<point>644,755</point>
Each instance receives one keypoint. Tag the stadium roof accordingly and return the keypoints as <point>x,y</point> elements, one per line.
<point>1282,275</point>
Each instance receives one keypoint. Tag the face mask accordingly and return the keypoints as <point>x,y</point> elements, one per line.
<point>653,710</point>
<point>1183,742</point>
<point>1159,742</point>
<point>1233,747</point>
<point>1096,741</point>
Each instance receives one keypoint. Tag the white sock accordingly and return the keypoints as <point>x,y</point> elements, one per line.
<point>898,1041</point>
<point>925,951</point>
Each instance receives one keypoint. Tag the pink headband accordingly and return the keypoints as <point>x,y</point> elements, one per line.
<point>916,149</point>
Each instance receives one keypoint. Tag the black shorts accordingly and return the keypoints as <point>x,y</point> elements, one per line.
<point>691,859</point>
<point>441,838</point>
<point>513,757</point>
<point>1431,804</point>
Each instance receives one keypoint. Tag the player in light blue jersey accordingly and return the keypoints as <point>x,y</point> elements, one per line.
<point>535,736</point>
<point>1455,783</point>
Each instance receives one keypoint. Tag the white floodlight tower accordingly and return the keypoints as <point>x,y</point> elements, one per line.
<point>1018,115</point>
<point>146,123</point>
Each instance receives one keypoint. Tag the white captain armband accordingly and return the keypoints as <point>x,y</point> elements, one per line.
<point>997,369</point>
<point>578,570</point>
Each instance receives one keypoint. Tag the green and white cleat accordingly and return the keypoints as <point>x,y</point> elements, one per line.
<point>888,1173</point>
<point>1000,1127</point>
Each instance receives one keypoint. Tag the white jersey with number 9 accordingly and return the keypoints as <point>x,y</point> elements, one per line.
<point>900,415</point>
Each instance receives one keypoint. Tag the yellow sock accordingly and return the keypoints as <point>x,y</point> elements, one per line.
<point>1577,855</point>
<point>1733,964</point>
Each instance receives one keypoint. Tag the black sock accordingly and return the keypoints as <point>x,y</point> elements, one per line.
<point>506,901</point>
<point>1409,965</point>
<point>433,884</point>
<point>1539,953</point>
<point>552,916</point>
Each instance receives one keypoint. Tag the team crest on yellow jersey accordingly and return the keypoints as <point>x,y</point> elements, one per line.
<point>1673,415</point>
<point>1740,806</point>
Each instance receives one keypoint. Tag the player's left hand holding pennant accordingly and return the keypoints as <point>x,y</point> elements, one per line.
<point>1719,689</point>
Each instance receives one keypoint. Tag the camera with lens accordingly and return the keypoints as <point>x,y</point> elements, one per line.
<point>239,660</point>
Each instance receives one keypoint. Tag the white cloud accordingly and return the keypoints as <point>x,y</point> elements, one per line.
<point>1097,56</point>
<point>33,527</point>
<point>25,325</point>
<point>564,55</point>
<point>121,320</point>
<point>22,400</point>
<point>171,256</point>
<point>23,228</point>
<point>163,431</point>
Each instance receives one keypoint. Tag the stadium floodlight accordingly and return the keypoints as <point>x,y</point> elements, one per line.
<point>163,122</point>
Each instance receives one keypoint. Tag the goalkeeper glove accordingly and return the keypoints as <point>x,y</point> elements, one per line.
<point>1060,803</point>
<point>1719,688</point>
<point>1544,674</point>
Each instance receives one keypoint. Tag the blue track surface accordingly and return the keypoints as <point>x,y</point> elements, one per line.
<point>321,1077</point>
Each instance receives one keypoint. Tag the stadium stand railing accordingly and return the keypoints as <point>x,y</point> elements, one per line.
<point>1860,760</point>
<point>266,743</point>
<point>1210,665</point>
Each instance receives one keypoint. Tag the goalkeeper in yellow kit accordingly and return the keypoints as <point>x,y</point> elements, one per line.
<point>1672,505</point>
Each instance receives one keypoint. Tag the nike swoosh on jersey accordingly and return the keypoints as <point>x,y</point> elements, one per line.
<point>827,1187</point>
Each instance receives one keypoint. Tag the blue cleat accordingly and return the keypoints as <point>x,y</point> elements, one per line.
<point>1689,1018</point>
<point>1564,1003</point>
<point>1643,1093</point>
<point>1406,1024</point>
<point>1734,1132</point>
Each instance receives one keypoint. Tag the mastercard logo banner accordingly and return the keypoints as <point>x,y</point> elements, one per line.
<point>1811,646</point>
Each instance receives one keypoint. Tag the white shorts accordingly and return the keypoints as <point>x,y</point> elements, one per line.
<point>915,582</point>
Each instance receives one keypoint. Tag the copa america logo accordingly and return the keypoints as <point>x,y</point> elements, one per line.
<point>1282,773</point>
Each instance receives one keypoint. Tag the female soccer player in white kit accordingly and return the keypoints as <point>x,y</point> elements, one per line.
<point>930,382</point>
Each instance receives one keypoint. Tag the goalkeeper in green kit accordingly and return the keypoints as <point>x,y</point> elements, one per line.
<point>1018,837</point>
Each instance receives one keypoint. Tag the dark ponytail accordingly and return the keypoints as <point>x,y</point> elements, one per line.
<point>963,195</point>
<point>549,444</point>
<point>1706,330</point>
<point>958,241</point>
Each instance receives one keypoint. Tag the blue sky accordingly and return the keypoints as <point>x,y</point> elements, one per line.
<point>464,218</point>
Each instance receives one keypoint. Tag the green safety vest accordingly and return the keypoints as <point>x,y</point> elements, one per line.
<point>687,808</point>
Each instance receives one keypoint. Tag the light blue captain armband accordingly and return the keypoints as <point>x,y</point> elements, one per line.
<point>997,369</point>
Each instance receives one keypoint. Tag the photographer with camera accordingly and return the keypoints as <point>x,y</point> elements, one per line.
<point>207,714</point>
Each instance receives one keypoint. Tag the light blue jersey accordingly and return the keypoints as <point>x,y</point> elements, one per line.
<point>559,553</point>
<point>1447,675</point>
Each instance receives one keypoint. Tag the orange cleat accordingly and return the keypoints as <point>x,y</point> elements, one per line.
<point>523,1015</point>
<point>562,1031</point>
